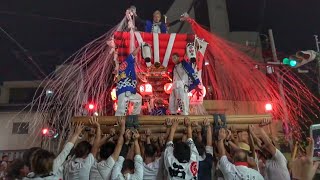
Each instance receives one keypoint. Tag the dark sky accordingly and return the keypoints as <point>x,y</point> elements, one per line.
<point>50,41</point>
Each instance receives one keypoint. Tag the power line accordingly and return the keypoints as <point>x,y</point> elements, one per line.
<point>12,13</point>
<point>26,53</point>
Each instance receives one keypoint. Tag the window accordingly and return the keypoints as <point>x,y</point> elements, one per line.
<point>23,95</point>
<point>20,128</point>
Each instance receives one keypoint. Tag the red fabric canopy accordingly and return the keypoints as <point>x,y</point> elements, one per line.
<point>122,41</point>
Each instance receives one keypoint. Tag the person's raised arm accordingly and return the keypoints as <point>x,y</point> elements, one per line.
<point>138,19</point>
<point>135,52</point>
<point>138,161</point>
<point>220,145</point>
<point>148,134</point>
<point>105,138</point>
<point>187,123</point>
<point>125,147</point>
<point>256,140</point>
<point>304,167</point>
<point>161,142</point>
<point>128,137</point>
<point>113,134</point>
<point>142,142</point>
<point>197,131</point>
<point>206,124</point>
<point>136,137</point>
<point>117,150</point>
<point>168,124</point>
<point>173,23</point>
<point>173,129</point>
<point>60,159</point>
<point>78,129</point>
<point>267,142</point>
<point>184,136</point>
<point>96,143</point>
<point>230,141</point>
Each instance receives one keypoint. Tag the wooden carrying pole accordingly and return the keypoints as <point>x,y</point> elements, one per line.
<point>159,120</point>
<point>162,129</point>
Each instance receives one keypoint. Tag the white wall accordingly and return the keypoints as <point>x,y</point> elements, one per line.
<point>9,141</point>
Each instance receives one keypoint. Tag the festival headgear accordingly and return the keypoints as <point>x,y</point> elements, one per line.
<point>244,146</point>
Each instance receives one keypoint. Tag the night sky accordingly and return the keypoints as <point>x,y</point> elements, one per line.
<point>49,41</point>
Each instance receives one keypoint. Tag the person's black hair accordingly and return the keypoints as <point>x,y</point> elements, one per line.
<point>150,150</point>
<point>82,149</point>
<point>128,164</point>
<point>3,156</point>
<point>175,54</point>
<point>28,154</point>
<point>106,150</point>
<point>42,162</point>
<point>200,147</point>
<point>260,153</point>
<point>13,171</point>
<point>182,152</point>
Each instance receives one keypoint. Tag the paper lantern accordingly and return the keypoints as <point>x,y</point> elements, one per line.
<point>145,89</point>
<point>113,94</point>
<point>168,88</point>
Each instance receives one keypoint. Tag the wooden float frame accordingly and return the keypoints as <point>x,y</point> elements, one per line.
<point>159,120</point>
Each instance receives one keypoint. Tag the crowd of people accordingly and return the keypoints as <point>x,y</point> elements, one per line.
<point>201,153</point>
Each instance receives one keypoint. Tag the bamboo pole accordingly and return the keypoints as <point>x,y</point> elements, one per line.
<point>159,120</point>
<point>295,150</point>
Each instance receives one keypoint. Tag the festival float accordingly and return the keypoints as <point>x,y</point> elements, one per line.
<point>233,91</point>
<point>154,69</point>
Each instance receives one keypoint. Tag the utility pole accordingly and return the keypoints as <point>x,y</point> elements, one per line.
<point>318,60</point>
<point>280,82</point>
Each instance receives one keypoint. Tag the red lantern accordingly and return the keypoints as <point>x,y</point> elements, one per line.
<point>45,131</point>
<point>113,94</point>
<point>91,106</point>
<point>146,89</point>
<point>168,88</point>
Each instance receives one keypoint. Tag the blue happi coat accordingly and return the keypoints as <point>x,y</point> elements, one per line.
<point>127,74</point>
<point>195,81</point>
<point>148,27</point>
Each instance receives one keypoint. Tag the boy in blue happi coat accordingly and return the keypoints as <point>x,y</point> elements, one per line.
<point>126,86</point>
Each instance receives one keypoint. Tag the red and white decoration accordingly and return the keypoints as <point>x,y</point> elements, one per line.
<point>163,45</point>
<point>145,89</point>
<point>168,88</point>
